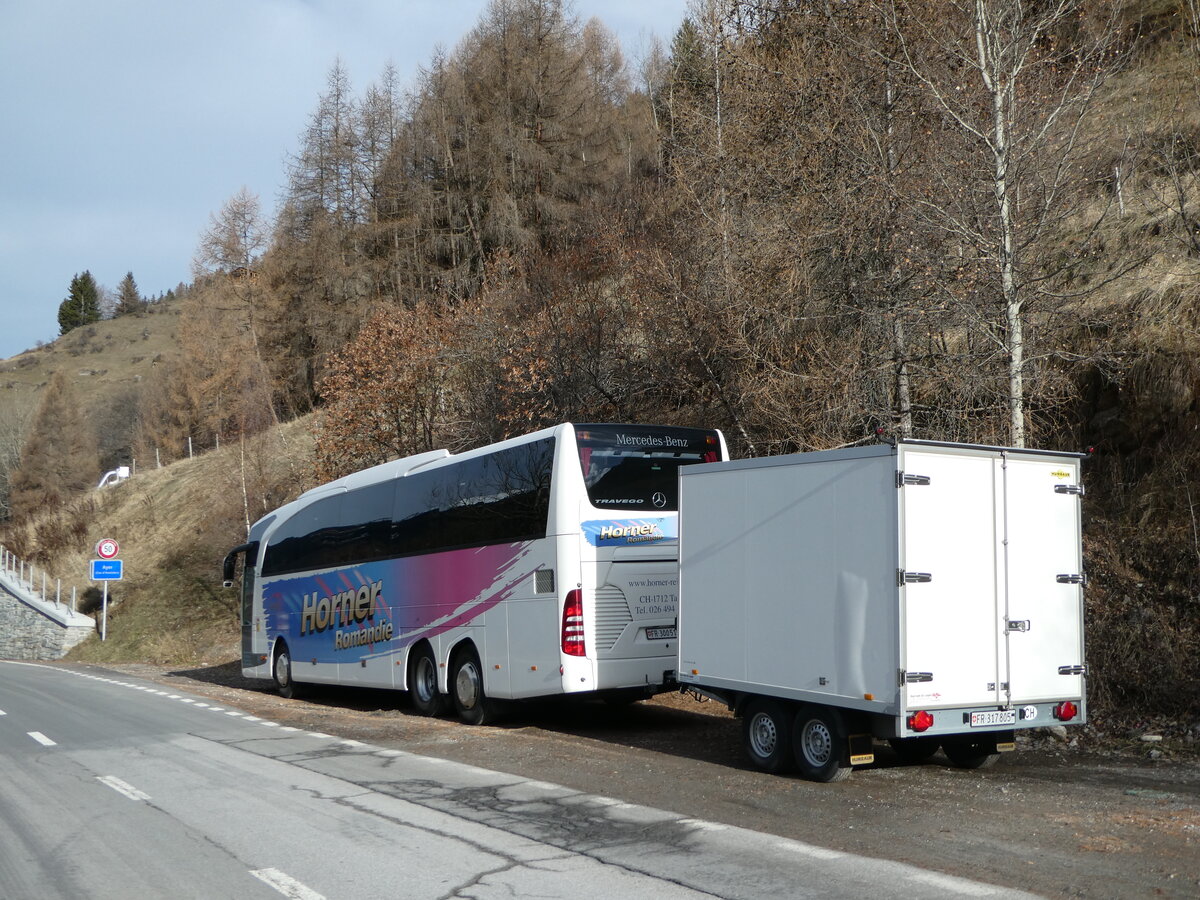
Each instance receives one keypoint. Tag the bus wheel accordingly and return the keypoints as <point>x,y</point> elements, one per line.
<point>820,738</point>
<point>422,683</point>
<point>767,734</point>
<point>281,672</point>
<point>466,685</point>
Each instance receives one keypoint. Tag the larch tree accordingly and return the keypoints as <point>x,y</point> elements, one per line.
<point>229,252</point>
<point>59,457</point>
<point>129,298</point>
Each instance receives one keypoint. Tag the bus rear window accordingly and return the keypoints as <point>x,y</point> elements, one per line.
<point>632,467</point>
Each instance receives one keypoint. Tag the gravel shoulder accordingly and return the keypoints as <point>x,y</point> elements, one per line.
<point>1094,817</point>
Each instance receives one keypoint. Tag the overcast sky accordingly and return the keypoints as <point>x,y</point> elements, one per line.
<point>126,123</point>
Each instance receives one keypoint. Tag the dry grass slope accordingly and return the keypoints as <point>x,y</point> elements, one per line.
<point>174,526</point>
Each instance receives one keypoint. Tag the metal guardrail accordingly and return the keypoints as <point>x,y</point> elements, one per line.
<point>21,578</point>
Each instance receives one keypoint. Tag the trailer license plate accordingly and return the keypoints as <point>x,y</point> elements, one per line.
<point>993,717</point>
<point>660,634</point>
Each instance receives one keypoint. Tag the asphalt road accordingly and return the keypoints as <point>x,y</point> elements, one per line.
<point>112,786</point>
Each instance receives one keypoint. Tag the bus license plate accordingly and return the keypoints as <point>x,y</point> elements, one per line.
<point>993,717</point>
<point>659,634</point>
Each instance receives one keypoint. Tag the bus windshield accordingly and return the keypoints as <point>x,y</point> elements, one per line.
<point>635,467</point>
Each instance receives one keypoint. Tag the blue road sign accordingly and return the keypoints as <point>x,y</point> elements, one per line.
<point>107,570</point>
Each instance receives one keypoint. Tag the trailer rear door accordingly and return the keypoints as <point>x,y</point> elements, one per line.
<point>991,575</point>
<point>1044,620</point>
<point>952,578</point>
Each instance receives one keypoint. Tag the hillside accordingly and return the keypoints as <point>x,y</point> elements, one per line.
<point>108,363</point>
<point>174,526</point>
<point>828,259</point>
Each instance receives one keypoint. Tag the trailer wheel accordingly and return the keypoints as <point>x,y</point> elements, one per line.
<point>767,731</point>
<point>281,673</point>
<point>466,684</point>
<point>422,682</point>
<point>971,753</point>
<point>914,750</point>
<point>820,741</point>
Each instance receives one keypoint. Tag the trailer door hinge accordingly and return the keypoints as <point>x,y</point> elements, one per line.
<point>1076,489</point>
<point>1072,579</point>
<point>1072,670</point>
<point>1017,625</point>
<point>903,479</point>
<point>914,677</point>
<point>903,578</point>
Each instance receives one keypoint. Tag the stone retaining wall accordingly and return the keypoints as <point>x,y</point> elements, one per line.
<point>26,633</point>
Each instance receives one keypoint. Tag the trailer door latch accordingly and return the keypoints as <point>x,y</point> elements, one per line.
<point>904,578</point>
<point>1076,489</point>
<point>915,677</point>
<point>1072,579</point>
<point>1017,625</point>
<point>904,479</point>
<point>1072,670</point>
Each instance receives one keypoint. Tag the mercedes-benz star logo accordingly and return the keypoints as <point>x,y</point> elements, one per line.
<point>659,499</point>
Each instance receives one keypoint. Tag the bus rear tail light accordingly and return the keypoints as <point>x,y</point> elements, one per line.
<point>572,625</point>
<point>920,721</point>
<point>1066,711</point>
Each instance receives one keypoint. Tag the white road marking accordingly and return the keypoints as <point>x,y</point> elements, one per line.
<point>286,885</point>
<point>41,738</point>
<point>122,787</point>
<point>3,713</point>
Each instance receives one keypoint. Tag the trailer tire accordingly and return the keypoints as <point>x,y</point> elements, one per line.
<point>422,682</point>
<point>914,750</point>
<point>819,737</point>
<point>767,735</point>
<point>968,753</point>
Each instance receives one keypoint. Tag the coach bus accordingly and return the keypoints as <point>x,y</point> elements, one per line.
<point>541,565</point>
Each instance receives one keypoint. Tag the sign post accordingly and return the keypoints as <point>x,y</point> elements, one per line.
<point>105,569</point>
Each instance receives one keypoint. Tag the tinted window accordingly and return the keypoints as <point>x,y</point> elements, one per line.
<point>297,543</point>
<point>500,498</point>
<point>636,467</point>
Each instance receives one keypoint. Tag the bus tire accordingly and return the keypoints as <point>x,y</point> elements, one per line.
<point>281,672</point>
<point>820,741</point>
<point>422,682</point>
<point>767,735</point>
<point>466,687</point>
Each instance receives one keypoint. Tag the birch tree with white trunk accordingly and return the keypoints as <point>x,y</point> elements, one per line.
<point>1015,81</point>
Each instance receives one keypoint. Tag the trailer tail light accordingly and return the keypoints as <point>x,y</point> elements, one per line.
<point>572,625</point>
<point>1066,711</point>
<point>920,721</point>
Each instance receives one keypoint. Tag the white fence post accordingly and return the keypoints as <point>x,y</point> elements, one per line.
<point>73,609</point>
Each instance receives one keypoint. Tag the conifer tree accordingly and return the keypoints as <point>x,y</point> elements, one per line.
<point>129,298</point>
<point>82,305</point>
<point>60,456</point>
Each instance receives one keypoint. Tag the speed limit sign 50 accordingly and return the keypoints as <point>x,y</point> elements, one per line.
<point>107,549</point>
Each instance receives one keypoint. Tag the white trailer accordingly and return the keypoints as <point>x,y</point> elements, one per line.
<point>922,593</point>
